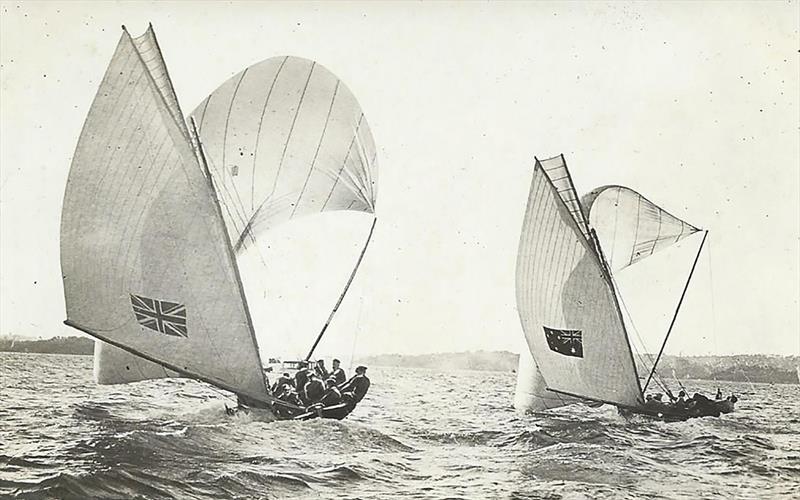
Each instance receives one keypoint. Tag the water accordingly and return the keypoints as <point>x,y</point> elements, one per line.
<point>418,434</point>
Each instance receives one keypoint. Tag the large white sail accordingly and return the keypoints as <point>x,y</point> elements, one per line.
<point>630,227</point>
<point>150,52</point>
<point>567,306</point>
<point>284,138</point>
<point>557,172</point>
<point>144,251</point>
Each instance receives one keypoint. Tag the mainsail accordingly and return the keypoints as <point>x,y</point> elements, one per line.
<point>566,301</point>
<point>630,227</point>
<point>150,52</point>
<point>145,256</point>
<point>284,138</point>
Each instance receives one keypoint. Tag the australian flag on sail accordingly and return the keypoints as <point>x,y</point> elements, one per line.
<point>566,342</point>
<point>160,315</point>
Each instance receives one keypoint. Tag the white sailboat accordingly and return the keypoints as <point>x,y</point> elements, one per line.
<point>156,213</point>
<point>566,296</point>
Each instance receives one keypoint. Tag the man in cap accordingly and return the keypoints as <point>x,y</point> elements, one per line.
<point>337,373</point>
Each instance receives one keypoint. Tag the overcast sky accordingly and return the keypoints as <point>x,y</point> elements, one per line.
<point>694,105</point>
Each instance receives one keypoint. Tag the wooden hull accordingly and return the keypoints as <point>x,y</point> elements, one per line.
<point>674,413</point>
<point>335,412</point>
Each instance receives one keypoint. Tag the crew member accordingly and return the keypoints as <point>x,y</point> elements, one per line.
<point>285,379</point>
<point>337,373</point>
<point>358,385</point>
<point>314,389</point>
<point>301,378</point>
<point>320,369</point>
<point>332,395</point>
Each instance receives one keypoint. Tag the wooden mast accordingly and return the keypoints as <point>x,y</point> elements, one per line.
<point>346,287</point>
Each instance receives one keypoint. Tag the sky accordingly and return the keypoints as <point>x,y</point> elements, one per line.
<point>693,105</point>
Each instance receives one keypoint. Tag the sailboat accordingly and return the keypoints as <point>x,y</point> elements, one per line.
<point>158,210</point>
<point>568,301</point>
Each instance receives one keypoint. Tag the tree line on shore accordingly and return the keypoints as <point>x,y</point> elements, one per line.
<point>762,368</point>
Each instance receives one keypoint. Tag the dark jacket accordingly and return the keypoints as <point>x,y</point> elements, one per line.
<point>358,385</point>
<point>314,390</point>
<point>339,376</point>
<point>278,387</point>
<point>300,379</point>
<point>332,396</point>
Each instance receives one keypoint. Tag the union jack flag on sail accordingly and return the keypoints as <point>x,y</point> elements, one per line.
<point>566,342</point>
<point>160,315</point>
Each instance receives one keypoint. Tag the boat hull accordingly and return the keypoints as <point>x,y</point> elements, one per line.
<point>335,412</point>
<point>674,413</point>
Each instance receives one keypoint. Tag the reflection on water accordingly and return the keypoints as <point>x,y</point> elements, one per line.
<point>419,434</point>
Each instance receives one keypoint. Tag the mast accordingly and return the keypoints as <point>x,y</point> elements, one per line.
<point>675,316</point>
<point>229,248</point>
<point>346,287</point>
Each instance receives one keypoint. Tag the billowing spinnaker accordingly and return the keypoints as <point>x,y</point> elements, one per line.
<point>567,308</point>
<point>630,227</point>
<point>285,138</point>
<point>144,256</point>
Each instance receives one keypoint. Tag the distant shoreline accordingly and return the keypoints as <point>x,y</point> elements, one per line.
<point>760,368</point>
<point>755,368</point>
<point>55,345</point>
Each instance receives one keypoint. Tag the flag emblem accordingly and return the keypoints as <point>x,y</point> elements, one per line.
<point>160,315</point>
<point>566,342</point>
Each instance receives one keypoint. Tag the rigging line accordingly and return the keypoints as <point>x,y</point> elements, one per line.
<point>678,308</point>
<point>659,381</point>
<point>633,325</point>
<point>344,292</point>
<point>229,202</point>
<point>220,173</point>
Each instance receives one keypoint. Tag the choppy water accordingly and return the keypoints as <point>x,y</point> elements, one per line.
<point>418,434</point>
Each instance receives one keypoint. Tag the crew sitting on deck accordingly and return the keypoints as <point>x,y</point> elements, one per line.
<point>653,400</point>
<point>332,395</point>
<point>289,395</point>
<point>314,389</point>
<point>358,385</point>
<point>337,373</point>
<point>301,377</point>
<point>285,379</point>
<point>320,369</point>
